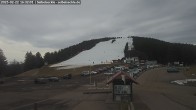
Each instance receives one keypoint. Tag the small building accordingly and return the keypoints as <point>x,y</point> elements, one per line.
<point>116,61</point>
<point>176,63</point>
<point>132,60</point>
<point>122,86</point>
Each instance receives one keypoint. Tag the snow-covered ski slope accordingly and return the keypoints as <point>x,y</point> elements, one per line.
<point>102,53</point>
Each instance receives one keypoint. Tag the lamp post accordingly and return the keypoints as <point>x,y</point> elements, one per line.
<point>90,74</point>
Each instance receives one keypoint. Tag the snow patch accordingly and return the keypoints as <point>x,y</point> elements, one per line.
<point>70,66</point>
<point>183,82</point>
<point>102,53</point>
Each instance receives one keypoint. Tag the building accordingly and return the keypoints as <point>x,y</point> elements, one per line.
<point>132,60</point>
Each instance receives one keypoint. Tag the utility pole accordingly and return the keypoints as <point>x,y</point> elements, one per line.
<point>90,74</point>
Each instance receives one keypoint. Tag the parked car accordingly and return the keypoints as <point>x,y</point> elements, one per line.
<point>156,66</point>
<point>97,71</point>
<point>85,73</point>
<point>119,68</point>
<point>53,79</point>
<point>134,72</point>
<point>144,68</point>
<point>104,68</point>
<point>150,66</point>
<point>67,76</point>
<point>108,73</point>
<point>93,72</point>
<point>140,69</point>
<point>100,70</point>
<point>172,70</point>
<point>40,80</point>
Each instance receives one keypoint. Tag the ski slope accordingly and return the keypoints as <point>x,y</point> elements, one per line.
<point>102,53</point>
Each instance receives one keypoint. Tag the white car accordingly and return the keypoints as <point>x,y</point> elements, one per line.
<point>139,69</point>
<point>85,73</point>
<point>93,72</point>
<point>134,71</point>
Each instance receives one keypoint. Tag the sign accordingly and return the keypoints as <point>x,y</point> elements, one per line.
<point>122,92</point>
<point>122,89</point>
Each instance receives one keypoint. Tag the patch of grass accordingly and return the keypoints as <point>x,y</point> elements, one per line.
<point>29,73</point>
<point>190,72</point>
<point>48,71</point>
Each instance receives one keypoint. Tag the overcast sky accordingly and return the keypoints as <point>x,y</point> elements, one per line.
<point>48,27</point>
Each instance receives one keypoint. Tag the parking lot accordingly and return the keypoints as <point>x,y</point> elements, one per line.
<point>19,91</point>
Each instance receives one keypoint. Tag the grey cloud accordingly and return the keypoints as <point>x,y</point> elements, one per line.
<point>61,26</point>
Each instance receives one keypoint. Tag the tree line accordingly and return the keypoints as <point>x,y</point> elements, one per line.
<point>15,67</point>
<point>134,53</point>
<point>67,53</point>
<point>36,61</point>
<point>164,52</point>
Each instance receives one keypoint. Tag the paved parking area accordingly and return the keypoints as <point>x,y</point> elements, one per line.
<point>155,92</point>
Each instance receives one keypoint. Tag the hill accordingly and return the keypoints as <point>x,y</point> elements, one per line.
<point>69,52</point>
<point>165,52</point>
<point>102,53</point>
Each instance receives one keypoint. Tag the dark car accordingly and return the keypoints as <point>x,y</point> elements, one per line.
<point>40,80</point>
<point>100,70</point>
<point>172,70</point>
<point>67,76</point>
<point>53,79</point>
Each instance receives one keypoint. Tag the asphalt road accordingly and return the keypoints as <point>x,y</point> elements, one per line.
<point>156,93</point>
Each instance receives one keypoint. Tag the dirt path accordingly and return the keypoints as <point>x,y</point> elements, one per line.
<point>156,93</point>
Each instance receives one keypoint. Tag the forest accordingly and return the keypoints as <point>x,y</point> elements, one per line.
<point>67,53</point>
<point>162,51</point>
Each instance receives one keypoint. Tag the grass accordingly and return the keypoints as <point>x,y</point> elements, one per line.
<point>190,71</point>
<point>28,73</point>
<point>48,71</point>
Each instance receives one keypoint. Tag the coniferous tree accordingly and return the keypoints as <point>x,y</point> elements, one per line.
<point>30,61</point>
<point>39,60</point>
<point>126,53</point>
<point>3,63</point>
<point>14,68</point>
<point>47,57</point>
